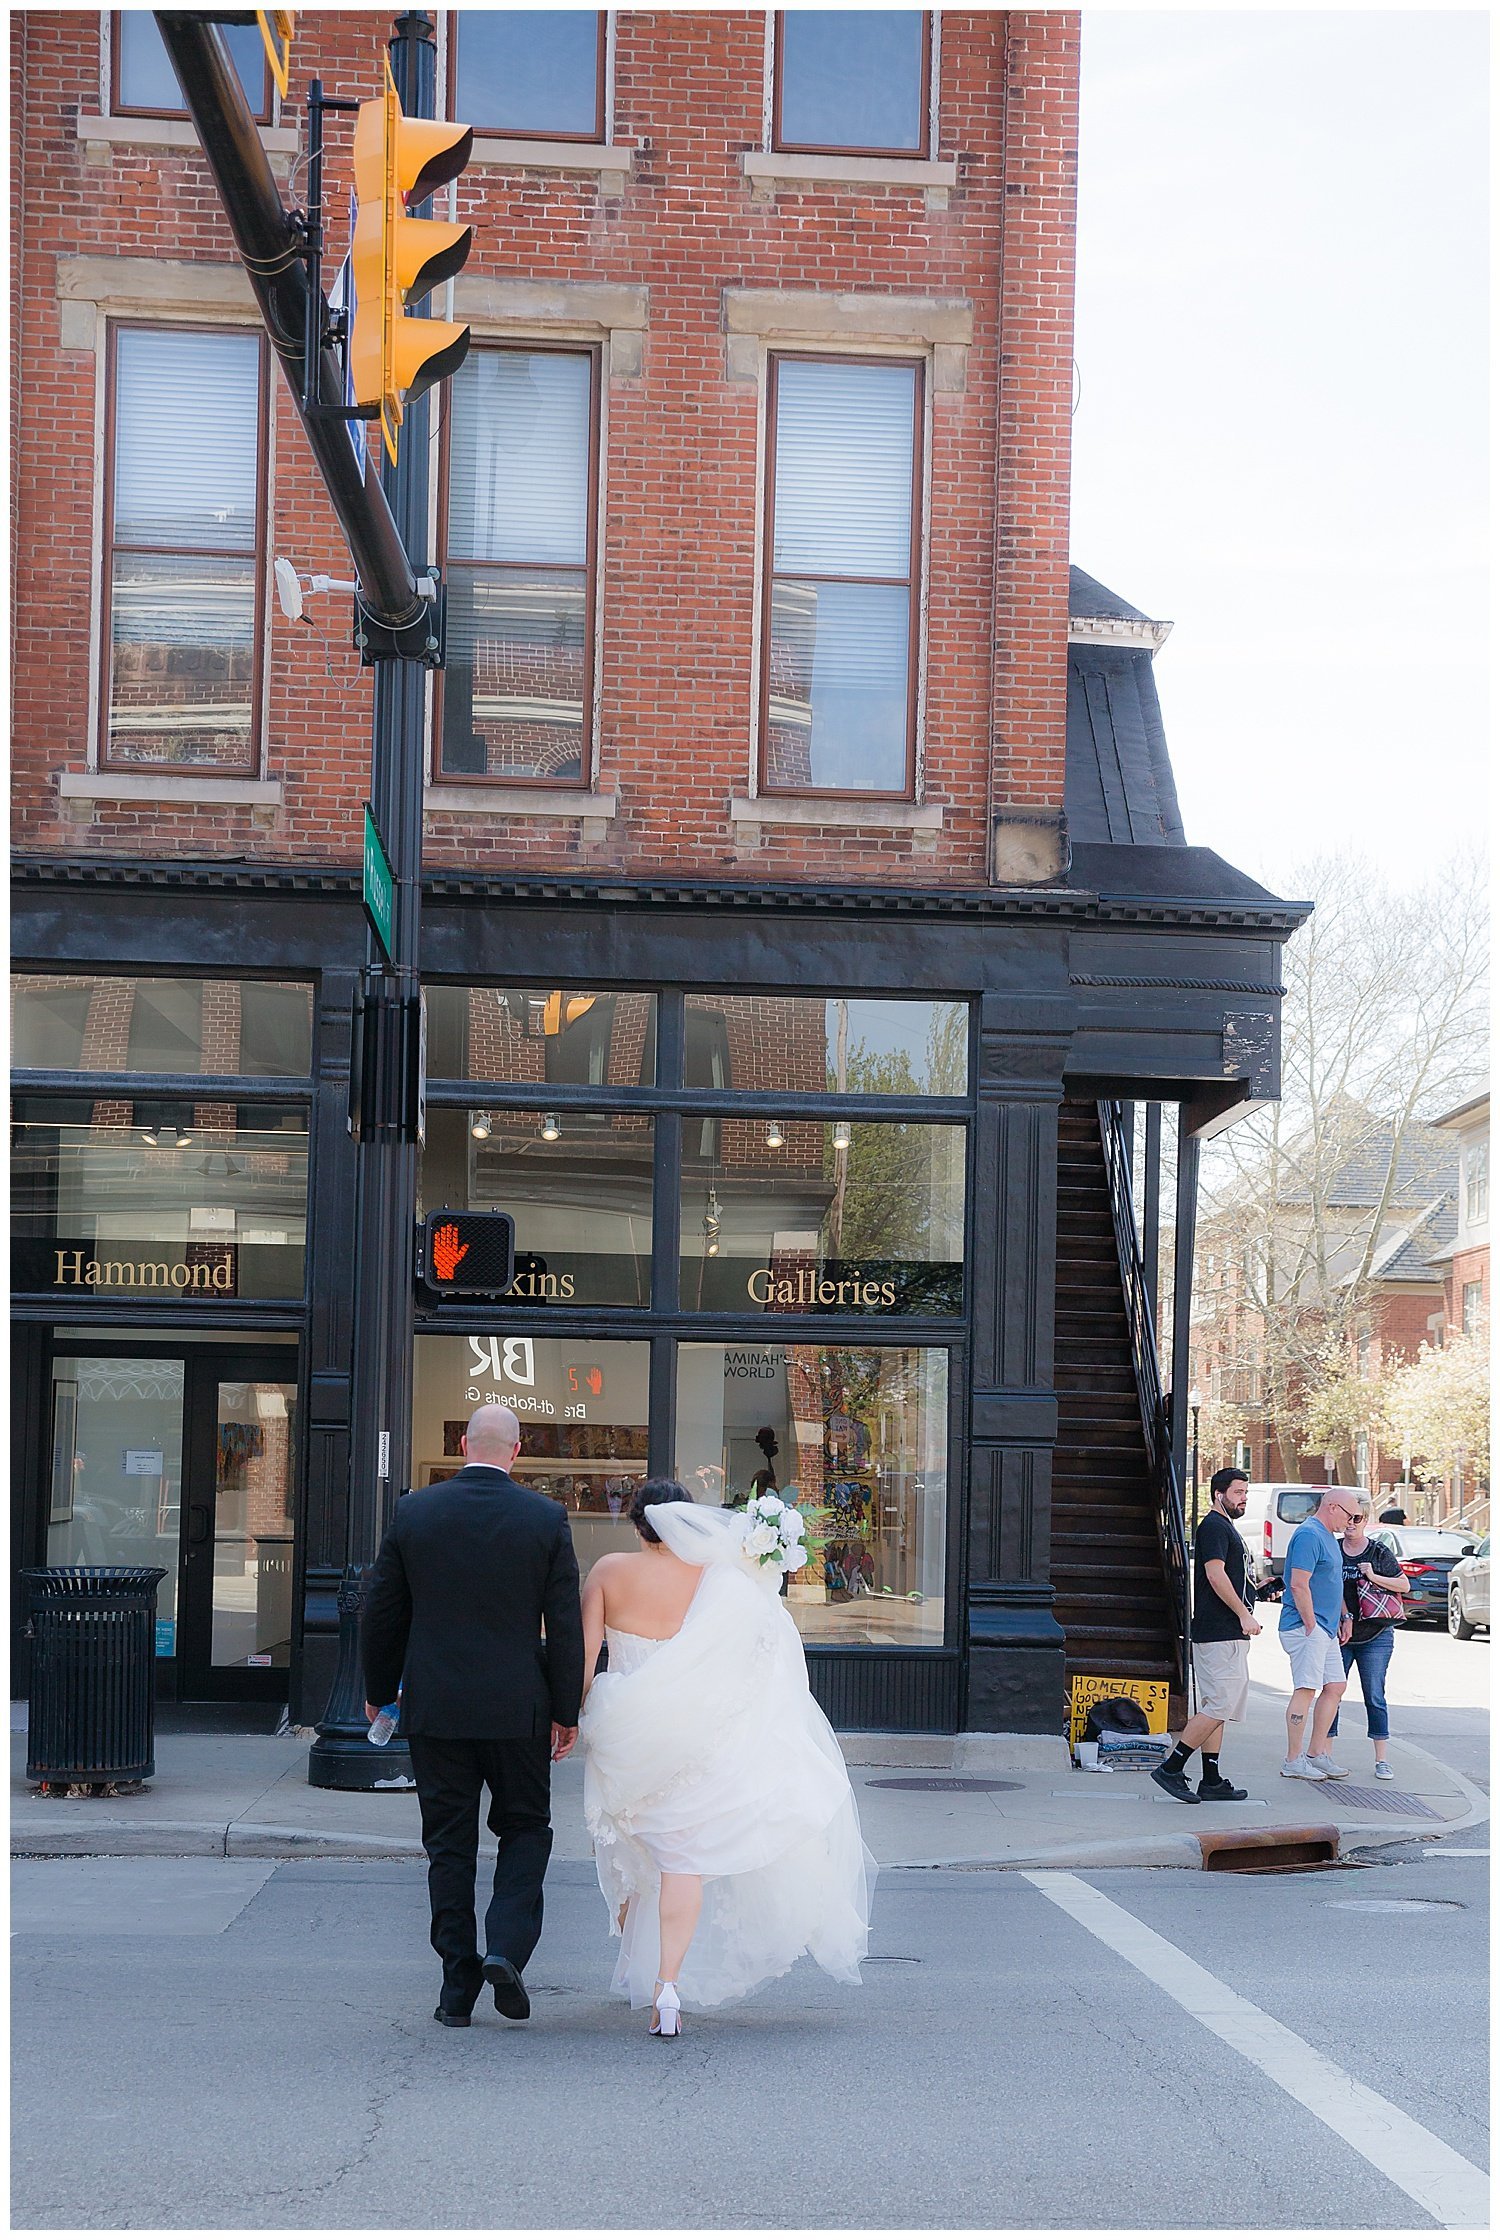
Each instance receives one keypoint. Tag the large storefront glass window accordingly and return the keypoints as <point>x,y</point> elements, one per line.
<point>94,1023</point>
<point>541,1036</point>
<point>822,1217</point>
<point>871,1045</point>
<point>116,1197</point>
<point>859,1436</point>
<point>583,1405</point>
<point>578,1185</point>
<point>115,1484</point>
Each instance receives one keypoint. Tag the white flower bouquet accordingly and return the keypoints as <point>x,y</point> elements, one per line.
<point>775,1533</point>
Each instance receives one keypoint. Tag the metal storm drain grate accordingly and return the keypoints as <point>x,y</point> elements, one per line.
<point>1384,1800</point>
<point>947,1781</point>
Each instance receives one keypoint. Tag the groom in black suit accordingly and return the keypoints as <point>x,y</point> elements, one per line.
<point>467,1577</point>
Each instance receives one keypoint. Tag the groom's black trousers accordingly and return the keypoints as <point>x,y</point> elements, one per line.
<point>450,1776</point>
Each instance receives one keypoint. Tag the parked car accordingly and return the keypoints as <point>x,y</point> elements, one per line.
<point>1272,1514</point>
<point>1428,1557</point>
<point>1469,1593</point>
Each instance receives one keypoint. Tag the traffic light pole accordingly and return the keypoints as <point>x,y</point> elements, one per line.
<point>384,517</point>
<point>271,249</point>
<point>386,1207</point>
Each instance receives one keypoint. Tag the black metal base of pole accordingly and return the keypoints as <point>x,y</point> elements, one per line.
<point>344,1757</point>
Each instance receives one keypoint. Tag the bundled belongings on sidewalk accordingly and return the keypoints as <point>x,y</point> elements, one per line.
<point>1121,1736</point>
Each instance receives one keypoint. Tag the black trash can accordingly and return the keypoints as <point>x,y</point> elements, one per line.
<point>91,1716</point>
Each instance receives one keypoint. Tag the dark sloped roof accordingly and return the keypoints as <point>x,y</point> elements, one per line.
<point>1087,596</point>
<point>1426,1165</point>
<point>1120,788</point>
<point>1410,1256</point>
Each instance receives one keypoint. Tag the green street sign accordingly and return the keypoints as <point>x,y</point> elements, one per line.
<point>379,886</point>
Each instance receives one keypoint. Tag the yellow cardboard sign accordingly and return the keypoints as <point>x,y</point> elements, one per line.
<point>1091,1688</point>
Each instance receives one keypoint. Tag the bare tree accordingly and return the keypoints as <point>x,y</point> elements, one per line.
<point>1384,1023</point>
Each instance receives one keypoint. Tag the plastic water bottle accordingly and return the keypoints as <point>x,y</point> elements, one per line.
<point>383,1725</point>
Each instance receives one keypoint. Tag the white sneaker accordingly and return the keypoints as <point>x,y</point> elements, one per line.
<point>1303,1769</point>
<point>1384,1772</point>
<point>1330,1770</point>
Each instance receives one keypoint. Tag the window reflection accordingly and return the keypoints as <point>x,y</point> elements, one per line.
<point>824,1217</point>
<point>578,1185</point>
<point>540,1035</point>
<point>858,1437</point>
<point>865,1045</point>
<point>177,1199</point>
<point>99,1023</point>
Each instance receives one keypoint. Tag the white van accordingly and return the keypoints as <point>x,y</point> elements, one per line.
<point>1272,1514</point>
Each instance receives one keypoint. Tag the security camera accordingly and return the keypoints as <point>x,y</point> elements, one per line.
<point>289,588</point>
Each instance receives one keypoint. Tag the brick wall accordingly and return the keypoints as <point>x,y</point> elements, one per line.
<point>679,537</point>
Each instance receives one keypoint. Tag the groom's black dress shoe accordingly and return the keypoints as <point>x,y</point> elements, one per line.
<point>509,1990</point>
<point>455,2018</point>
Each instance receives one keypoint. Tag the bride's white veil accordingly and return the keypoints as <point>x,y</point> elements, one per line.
<point>698,1534</point>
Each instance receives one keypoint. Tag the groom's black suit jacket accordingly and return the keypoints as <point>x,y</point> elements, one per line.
<point>467,1576</point>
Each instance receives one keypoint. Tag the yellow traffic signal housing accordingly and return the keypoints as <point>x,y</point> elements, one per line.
<point>276,32</point>
<point>397,260</point>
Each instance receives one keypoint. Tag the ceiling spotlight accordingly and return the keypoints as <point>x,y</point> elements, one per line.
<point>184,1136</point>
<point>151,1135</point>
<point>711,1226</point>
<point>774,1137</point>
<point>840,1135</point>
<point>550,1129</point>
<point>479,1126</point>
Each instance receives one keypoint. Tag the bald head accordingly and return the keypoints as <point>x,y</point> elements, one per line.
<point>493,1436</point>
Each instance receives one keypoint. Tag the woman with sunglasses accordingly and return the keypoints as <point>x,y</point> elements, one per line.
<point>1374,1588</point>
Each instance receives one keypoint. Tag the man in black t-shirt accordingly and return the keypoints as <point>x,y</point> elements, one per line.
<point>1223,1623</point>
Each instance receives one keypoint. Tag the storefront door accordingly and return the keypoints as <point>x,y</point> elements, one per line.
<point>184,1459</point>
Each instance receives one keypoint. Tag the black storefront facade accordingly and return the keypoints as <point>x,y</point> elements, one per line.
<point>785,1167</point>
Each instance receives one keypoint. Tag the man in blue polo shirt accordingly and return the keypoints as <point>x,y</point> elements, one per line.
<point>1314,1622</point>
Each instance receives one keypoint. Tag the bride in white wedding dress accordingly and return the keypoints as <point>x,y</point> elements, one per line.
<point>724,1827</point>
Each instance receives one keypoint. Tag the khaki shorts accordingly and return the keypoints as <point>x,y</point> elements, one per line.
<point>1222,1671</point>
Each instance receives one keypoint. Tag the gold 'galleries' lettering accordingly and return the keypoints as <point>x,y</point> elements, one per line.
<point>810,1290</point>
<point>143,1275</point>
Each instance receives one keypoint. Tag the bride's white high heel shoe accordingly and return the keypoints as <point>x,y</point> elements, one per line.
<point>668,2023</point>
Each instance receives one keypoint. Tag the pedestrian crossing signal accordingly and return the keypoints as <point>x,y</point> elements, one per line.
<point>396,260</point>
<point>468,1255</point>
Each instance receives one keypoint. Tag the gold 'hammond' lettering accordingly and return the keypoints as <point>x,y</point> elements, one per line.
<point>144,1275</point>
<point>810,1290</point>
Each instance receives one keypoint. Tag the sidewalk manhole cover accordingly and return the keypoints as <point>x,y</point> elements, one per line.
<point>946,1781</point>
<point>1397,1905</point>
<point>1381,1800</point>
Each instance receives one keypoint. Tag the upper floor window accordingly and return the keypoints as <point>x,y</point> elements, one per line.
<point>1477,1182</point>
<point>839,686</point>
<point>144,84</point>
<point>522,473</point>
<point>530,73</point>
<point>185,503</point>
<point>854,82</point>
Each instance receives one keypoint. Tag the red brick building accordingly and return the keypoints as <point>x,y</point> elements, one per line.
<point>786,794</point>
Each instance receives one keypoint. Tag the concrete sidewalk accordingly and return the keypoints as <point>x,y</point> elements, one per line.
<point>247,1796</point>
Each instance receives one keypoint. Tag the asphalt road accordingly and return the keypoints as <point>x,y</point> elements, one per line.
<point>1438,1691</point>
<point>233,2043</point>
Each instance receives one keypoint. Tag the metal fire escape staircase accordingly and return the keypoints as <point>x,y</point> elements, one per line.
<point>1119,1539</point>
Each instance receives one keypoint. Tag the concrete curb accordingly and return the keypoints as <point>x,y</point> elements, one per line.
<point>1115,1851</point>
<point>175,1839</point>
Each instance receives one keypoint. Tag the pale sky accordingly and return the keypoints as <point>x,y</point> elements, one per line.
<point>1281,426</point>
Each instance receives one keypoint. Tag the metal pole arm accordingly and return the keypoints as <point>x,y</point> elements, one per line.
<point>272,254</point>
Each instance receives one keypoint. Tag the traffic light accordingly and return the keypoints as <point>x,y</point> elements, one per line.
<point>397,260</point>
<point>468,1255</point>
<point>276,31</point>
